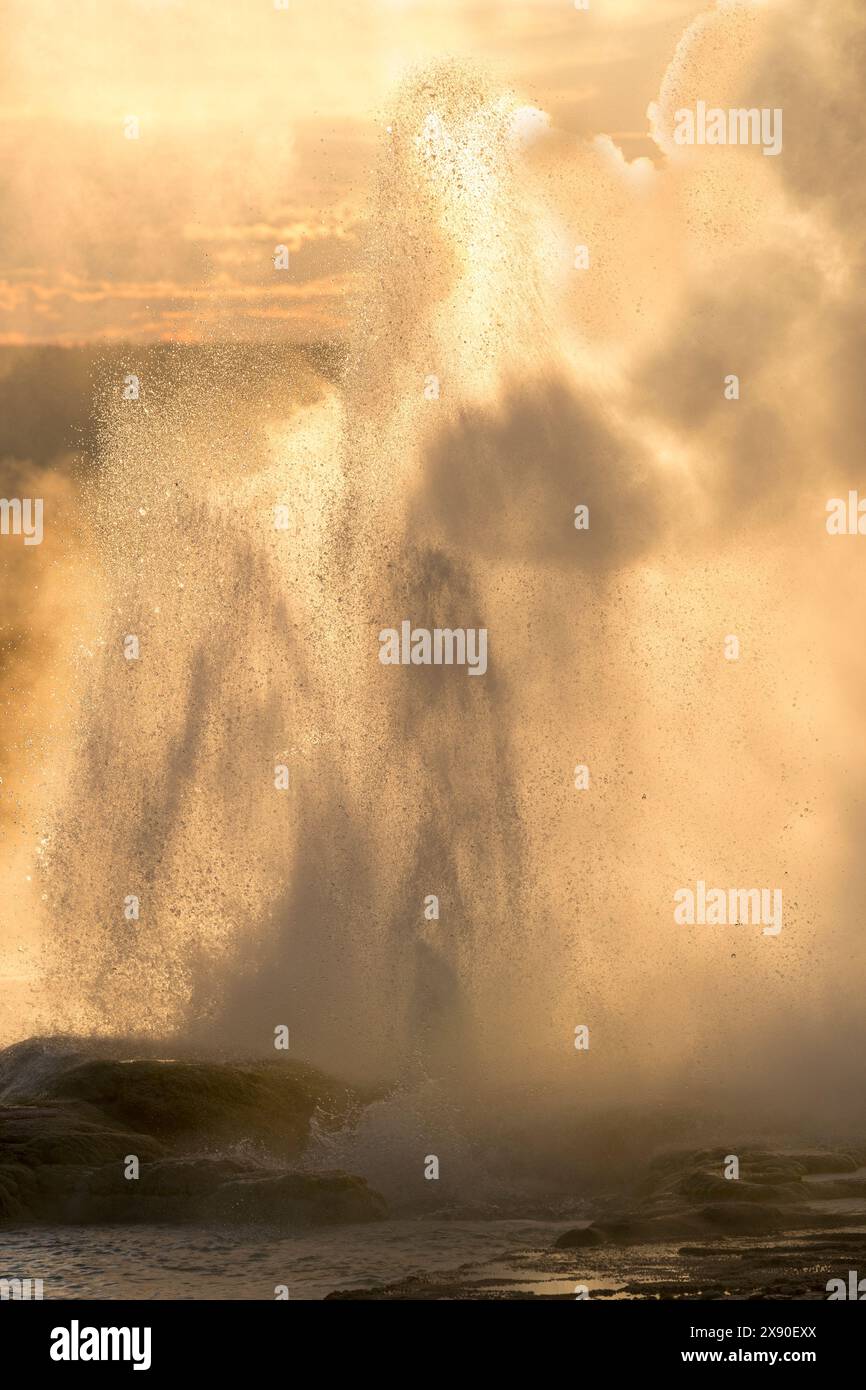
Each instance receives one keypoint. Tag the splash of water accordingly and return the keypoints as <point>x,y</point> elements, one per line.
<point>259,648</point>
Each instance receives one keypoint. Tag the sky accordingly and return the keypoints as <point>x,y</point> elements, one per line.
<point>258,127</point>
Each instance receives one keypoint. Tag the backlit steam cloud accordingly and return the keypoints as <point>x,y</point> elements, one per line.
<point>490,388</point>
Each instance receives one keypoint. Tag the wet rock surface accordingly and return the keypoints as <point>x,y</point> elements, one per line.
<point>70,1122</point>
<point>685,1195</point>
<point>792,1221</point>
<point>794,1268</point>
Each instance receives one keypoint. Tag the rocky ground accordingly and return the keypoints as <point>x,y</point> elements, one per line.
<point>792,1221</point>
<point>70,1122</point>
<point>794,1268</point>
<point>226,1144</point>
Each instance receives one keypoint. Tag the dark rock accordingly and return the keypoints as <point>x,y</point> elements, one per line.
<point>36,1135</point>
<point>182,1103</point>
<point>746,1218</point>
<point>719,1189</point>
<point>579,1238</point>
<point>298,1199</point>
<point>76,1118</point>
<point>821,1161</point>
